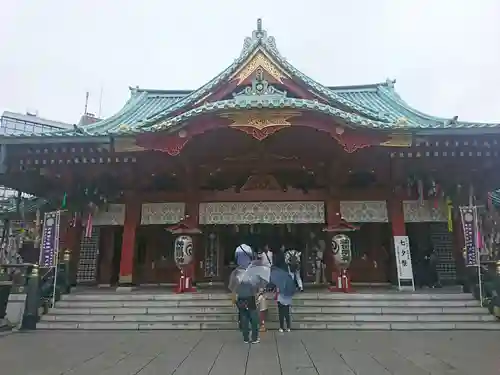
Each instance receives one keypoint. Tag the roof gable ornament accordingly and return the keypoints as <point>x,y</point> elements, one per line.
<point>451,122</point>
<point>260,90</point>
<point>390,83</point>
<point>259,36</point>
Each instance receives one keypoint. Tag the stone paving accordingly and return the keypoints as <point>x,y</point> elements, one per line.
<point>224,353</point>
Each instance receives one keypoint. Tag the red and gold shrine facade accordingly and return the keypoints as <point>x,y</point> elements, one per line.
<point>260,151</point>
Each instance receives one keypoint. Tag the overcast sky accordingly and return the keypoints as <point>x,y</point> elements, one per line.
<point>445,54</point>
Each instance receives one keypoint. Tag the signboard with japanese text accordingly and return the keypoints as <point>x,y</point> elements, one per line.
<point>403,258</point>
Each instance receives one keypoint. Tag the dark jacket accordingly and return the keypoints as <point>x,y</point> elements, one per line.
<point>248,303</point>
<point>279,260</point>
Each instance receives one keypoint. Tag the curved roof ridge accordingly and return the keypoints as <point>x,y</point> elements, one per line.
<point>177,92</point>
<point>395,98</point>
<point>361,87</point>
<point>129,105</point>
<point>285,102</point>
<point>260,38</point>
<point>332,95</point>
<point>152,91</point>
<point>203,90</point>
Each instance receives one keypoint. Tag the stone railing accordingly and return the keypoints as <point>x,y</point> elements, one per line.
<point>27,292</point>
<point>490,285</point>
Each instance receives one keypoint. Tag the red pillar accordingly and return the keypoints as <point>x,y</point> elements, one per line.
<point>397,220</point>
<point>396,216</point>
<point>132,220</point>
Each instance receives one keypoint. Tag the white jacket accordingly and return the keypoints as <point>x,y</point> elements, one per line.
<point>262,302</point>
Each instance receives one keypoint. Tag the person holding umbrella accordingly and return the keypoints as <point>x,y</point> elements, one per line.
<point>244,288</point>
<point>247,308</point>
<point>245,283</point>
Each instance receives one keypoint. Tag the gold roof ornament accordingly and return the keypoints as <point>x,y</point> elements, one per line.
<point>401,122</point>
<point>124,127</point>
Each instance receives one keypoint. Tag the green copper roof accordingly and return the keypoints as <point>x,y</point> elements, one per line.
<point>141,105</point>
<point>377,105</point>
<point>289,103</point>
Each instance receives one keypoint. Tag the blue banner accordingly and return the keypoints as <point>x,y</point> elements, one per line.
<point>50,239</point>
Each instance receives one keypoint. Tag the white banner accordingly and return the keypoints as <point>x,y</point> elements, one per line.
<point>403,258</point>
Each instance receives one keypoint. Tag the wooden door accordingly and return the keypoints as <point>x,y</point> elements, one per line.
<point>371,254</point>
<point>105,259</point>
<point>209,262</point>
<point>155,256</point>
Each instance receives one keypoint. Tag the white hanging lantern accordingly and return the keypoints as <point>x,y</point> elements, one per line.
<point>183,250</point>
<point>341,248</point>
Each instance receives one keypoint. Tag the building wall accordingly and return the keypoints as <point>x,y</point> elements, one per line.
<point>154,214</point>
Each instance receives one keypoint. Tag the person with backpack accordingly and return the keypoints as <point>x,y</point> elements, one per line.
<point>249,318</point>
<point>243,255</point>
<point>293,262</point>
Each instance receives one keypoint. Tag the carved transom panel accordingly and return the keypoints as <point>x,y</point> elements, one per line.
<point>262,212</point>
<point>364,211</point>
<point>421,212</point>
<point>113,215</point>
<point>162,213</point>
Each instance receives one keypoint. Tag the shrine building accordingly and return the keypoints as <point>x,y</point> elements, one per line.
<point>259,153</point>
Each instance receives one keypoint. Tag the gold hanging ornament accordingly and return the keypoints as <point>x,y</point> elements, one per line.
<point>449,211</point>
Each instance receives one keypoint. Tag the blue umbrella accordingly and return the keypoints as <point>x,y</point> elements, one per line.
<point>257,274</point>
<point>283,281</point>
<point>243,286</point>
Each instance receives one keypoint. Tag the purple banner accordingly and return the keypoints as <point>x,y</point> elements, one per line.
<point>50,239</point>
<point>469,225</point>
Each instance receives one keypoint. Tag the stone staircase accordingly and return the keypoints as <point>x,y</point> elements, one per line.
<point>160,310</point>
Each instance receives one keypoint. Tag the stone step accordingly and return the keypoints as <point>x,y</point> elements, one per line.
<point>296,302</point>
<point>139,310</point>
<point>166,296</point>
<point>299,325</point>
<point>58,310</point>
<point>296,317</point>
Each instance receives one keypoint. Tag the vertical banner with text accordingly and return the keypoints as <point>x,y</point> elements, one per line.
<point>469,225</point>
<point>50,239</point>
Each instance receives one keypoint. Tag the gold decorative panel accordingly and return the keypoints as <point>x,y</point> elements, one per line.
<point>259,61</point>
<point>162,213</point>
<point>364,211</point>
<point>262,212</point>
<point>416,212</point>
<point>398,140</point>
<point>260,119</point>
<point>114,214</point>
<point>260,123</point>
